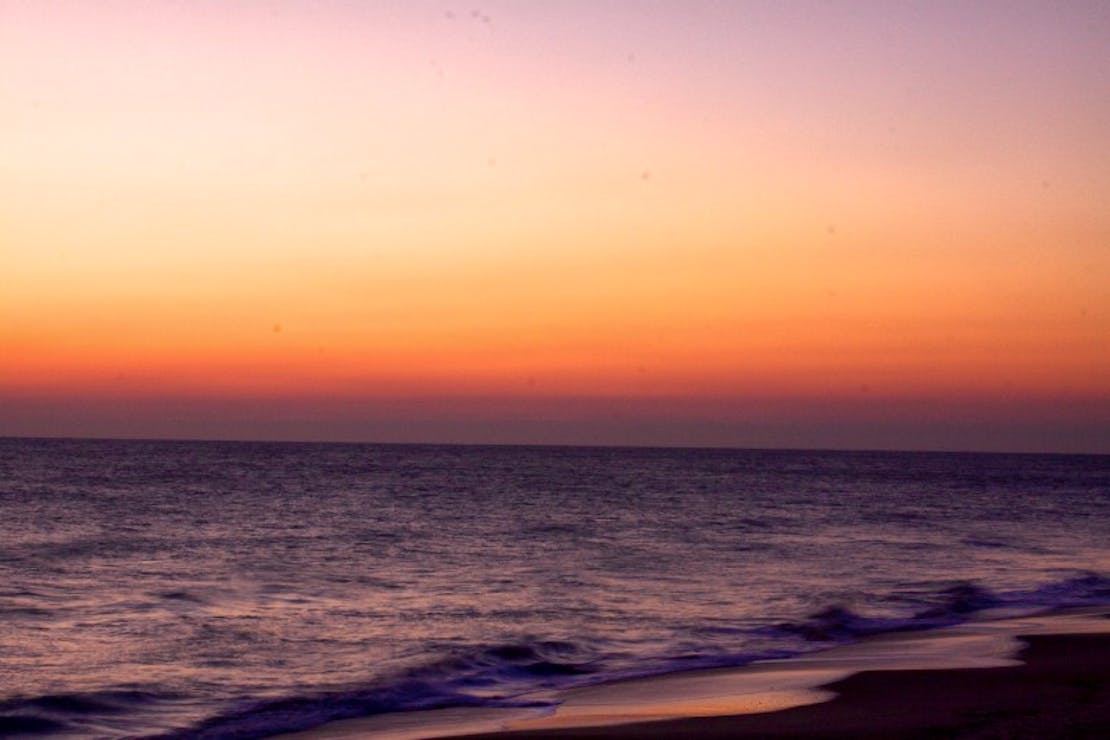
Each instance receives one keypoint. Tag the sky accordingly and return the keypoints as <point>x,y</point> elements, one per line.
<point>752,224</point>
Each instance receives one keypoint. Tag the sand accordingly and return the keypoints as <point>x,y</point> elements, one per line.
<point>976,680</point>
<point>1061,691</point>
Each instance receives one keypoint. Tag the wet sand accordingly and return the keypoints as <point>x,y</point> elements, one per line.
<point>1031,677</point>
<point>1062,690</point>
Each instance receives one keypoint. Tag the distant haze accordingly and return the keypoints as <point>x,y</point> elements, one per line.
<point>758,224</point>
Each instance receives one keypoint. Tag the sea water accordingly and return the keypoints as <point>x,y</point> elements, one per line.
<point>227,589</point>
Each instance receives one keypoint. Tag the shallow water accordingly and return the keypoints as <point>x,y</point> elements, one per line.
<point>241,589</point>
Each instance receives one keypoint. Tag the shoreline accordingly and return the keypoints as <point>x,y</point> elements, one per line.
<point>1060,690</point>
<point>1044,675</point>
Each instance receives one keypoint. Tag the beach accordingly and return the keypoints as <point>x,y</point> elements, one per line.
<point>623,369</point>
<point>1062,689</point>
<point>253,590</point>
<point>1042,677</point>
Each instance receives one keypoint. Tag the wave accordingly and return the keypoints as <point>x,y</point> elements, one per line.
<point>525,674</point>
<point>947,607</point>
<point>509,675</point>
<point>492,676</point>
<point>840,624</point>
<point>83,713</point>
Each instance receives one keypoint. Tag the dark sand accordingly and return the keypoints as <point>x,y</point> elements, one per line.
<point>1062,690</point>
<point>960,681</point>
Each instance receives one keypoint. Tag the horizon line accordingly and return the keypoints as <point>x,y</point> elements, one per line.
<point>532,445</point>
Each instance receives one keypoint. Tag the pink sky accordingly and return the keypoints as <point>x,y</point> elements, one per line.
<point>856,224</point>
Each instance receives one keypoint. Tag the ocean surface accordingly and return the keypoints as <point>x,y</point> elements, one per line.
<point>215,589</point>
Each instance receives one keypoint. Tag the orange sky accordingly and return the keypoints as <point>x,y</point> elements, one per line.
<point>703,204</point>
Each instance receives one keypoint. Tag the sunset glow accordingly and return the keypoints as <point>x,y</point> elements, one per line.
<point>845,224</point>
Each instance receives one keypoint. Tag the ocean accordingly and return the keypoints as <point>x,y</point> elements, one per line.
<point>240,590</point>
